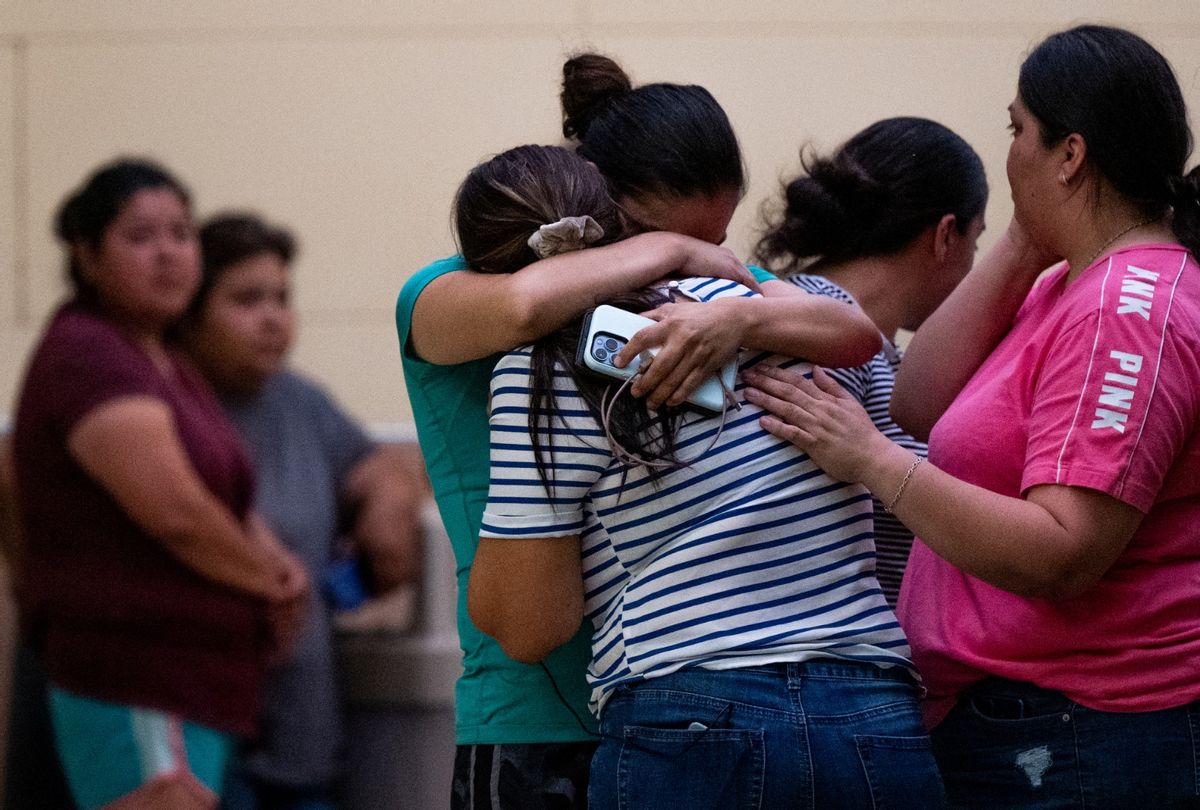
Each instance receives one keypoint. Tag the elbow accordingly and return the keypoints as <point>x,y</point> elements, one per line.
<point>908,418</point>
<point>525,639</point>
<point>527,650</point>
<point>174,530</point>
<point>526,324</point>
<point>522,641</point>
<point>868,345</point>
<point>1054,582</point>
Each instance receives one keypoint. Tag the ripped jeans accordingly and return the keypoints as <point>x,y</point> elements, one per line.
<point>821,734</point>
<point>1009,744</point>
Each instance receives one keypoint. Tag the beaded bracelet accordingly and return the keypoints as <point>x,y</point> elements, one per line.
<point>907,477</point>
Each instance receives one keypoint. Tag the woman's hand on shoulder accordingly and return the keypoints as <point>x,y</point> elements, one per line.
<point>819,417</point>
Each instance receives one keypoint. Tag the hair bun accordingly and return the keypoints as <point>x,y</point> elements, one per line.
<point>1185,190</point>
<point>589,81</point>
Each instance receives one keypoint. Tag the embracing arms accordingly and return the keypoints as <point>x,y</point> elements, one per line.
<point>1055,543</point>
<point>464,315</point>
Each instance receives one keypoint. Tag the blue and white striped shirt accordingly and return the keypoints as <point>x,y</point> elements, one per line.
<point>872,385</point>
<point>749,555</point>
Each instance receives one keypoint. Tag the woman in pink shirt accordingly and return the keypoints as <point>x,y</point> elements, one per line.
<point>1053,600</point>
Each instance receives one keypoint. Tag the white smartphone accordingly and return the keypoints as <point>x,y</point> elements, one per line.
<point>606,330</point>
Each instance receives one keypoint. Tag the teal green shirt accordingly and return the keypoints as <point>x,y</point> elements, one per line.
<point>497,700</point>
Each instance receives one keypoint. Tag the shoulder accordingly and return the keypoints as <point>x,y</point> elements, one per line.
<point>1144,290</point>
<point>512,366</point>
<point>75,328</point>
<point>289,383</point>
<point>703,288</point>
<point>819,285</point>
<point>80,346</point>
<point>419,280</point>
<point>292,391</point>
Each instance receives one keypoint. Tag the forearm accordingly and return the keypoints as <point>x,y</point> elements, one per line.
<point>817,328</point>
<point>207,539</point>
<point>1011,543</point>
<point>465,316</point>
<point>955,340</point>
<point>131,448</point>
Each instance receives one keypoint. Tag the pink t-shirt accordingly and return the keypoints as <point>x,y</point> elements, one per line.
<point>1098,386</point>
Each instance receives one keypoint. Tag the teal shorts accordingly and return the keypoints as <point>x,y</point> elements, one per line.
<point>108,750</point>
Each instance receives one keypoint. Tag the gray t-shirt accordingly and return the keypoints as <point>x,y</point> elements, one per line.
<point>303,447</point>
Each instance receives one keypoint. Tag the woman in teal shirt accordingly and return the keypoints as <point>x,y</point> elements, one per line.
<point>674,165</point>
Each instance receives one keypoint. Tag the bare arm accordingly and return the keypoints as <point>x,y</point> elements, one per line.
<point>464,315</point>
<point>527,594</point>
<point>697,339</point>
<point>385,497</point>
<point>961,333</point>
<point>130,447</point>
<point>1055,543</point>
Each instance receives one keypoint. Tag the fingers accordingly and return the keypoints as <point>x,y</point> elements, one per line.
<point>747,279</point>
<point>663,367</point>
<point>781,384</point>
<point>828,384</point>
<point>788,432</point>
<point>791,412</point>
<point>648,337</point>
<point>658,313</point>
<point>677,387</point>
<point>736,271</point>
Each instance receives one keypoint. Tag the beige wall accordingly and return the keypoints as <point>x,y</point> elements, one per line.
<point>353,121</point>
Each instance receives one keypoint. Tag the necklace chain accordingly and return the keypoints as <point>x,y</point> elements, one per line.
<point>1107,244</point>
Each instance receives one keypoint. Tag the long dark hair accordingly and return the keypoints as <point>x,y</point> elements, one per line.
<point>874,195</point>
<point>662,139</point>
<point>1118,92</point>
<point>84,216</point>
<point>502,202</point>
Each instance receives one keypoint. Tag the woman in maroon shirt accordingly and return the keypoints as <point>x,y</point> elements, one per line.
<point>150,590</point>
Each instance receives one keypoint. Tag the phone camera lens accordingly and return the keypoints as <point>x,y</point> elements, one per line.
<point>611,345</point>
<point>600,354</point>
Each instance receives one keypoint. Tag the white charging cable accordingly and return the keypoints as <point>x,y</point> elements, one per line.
<point>626,456</point>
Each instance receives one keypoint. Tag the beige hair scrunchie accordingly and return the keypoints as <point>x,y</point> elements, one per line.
<point>569,233</point>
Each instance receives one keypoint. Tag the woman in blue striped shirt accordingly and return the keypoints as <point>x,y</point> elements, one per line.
<point>743,653</point>
<point>889,221</point>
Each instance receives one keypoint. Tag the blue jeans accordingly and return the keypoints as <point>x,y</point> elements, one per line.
<point>1009,744</point>
<point>824,734</point>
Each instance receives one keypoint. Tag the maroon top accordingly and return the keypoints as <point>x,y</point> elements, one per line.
<point>113,614</point>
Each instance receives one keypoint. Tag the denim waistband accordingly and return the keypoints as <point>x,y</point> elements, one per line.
<point>835,668</point>
<point>1035,698</point>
